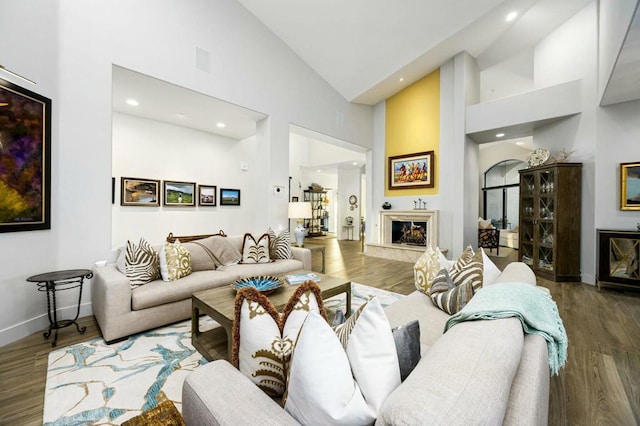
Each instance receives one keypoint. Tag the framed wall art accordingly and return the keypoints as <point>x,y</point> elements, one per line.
<point>139,192</point>
<point>25,159</point>
<point>411,170</point>
<point>179,194</point>
<point>207,195</point>
<point>630,186</point>
<point>229,197</point>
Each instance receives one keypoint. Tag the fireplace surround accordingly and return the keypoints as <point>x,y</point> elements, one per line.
<point>405,234</point>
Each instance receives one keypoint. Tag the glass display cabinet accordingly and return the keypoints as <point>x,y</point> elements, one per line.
<point>618,259</point>
<point>550,201</point>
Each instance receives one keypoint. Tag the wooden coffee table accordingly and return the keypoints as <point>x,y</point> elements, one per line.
<point>218,303</point>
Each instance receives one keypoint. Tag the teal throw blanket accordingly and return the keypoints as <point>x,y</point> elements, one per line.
<point>535,309</point>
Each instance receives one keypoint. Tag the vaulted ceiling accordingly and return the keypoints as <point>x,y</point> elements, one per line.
<point>370,49</point>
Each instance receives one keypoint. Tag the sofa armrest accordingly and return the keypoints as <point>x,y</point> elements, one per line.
<point>218,394</point>
<point>303,255</point>
<point>110,294</point>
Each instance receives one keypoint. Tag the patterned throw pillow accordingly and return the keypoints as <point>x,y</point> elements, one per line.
<point>263,338</point>
<point>255,251</point>
<point>426,267</point>
<point>280,245</point>
<point>469,272</point>
<point>464,258</point>
<point>447,296</point>
<point>175,261</point>
<point>343,377</point>
<point>141,263</point>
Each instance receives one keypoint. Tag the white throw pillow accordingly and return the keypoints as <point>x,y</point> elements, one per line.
<point>322,390</point>
<point>490,271</point>
<point>255,251</point>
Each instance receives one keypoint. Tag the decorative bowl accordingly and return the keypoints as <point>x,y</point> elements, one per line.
<point>264,283</point>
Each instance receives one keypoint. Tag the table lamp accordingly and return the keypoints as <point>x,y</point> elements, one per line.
<point>299,211</point>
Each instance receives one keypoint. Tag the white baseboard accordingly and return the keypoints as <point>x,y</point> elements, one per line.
<point>40,324</point>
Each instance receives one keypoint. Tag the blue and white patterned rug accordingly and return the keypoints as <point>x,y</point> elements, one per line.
<point>95,383</point>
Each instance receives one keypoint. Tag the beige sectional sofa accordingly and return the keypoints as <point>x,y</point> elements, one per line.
<point>480,372</point>
<point>122,311</point>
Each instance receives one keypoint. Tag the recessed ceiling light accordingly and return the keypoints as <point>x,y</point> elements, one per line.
<point>520,143</point>
<point>500,135</point>
<point>132,102</point>
<point>318,170</point>
<point>354,163</point>
<point>511,16</point>
<point>182,115</point>
<point>401,79</point>
<point>221,125</point>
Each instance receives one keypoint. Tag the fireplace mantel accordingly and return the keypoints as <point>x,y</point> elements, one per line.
<point>424,222</point>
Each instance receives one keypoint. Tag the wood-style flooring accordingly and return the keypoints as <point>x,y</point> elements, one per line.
<point>600,384</point>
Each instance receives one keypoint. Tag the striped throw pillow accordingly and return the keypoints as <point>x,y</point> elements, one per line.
<point>141,263</point>
<point>470,272</point>
<point>447,296</point>
<point>280,245</point>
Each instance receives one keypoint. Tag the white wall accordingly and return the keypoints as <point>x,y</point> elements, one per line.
<point>618,136</point>
<point>570,53</point>
<point>349,184</point>
<point>508,78</point>
<point>70,49</point>
<point>150,149</point>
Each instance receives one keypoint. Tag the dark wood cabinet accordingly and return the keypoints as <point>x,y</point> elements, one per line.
<point>618,259</point>
<point>550,205</point>
<point>315,226</point>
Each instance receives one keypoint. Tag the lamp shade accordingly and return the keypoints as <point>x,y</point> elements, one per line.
<point>299,210</point>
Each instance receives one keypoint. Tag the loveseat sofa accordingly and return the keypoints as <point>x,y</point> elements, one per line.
<point>484,372</point>
<point>121,310</point>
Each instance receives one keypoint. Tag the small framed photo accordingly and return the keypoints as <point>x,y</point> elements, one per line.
<point>229,197</point>
<point>179,194</point>
<point>630,186</point>
<point>411,171</point>
<point>139,192</point>
<point>207,195</point>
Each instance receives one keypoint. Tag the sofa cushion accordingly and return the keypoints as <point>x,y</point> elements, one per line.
<point>158,292</point>
<point>280,245</point>
<point>255,251</point>
<point>448,296</point>
<point>141,264</point>
<point>418,305</point>
<point>211,252</point>
<point>263,338</point>
<point>175,261</point>
<point>464,378</point>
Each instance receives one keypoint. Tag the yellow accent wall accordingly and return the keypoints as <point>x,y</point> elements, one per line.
<point>412,124</point>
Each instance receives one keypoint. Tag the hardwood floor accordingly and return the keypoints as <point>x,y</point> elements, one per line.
<point>600,385</point>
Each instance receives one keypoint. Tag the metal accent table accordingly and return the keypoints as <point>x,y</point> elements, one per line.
<point>52,282</point>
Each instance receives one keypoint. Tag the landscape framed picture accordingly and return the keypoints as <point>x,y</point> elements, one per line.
<point>25,159</point>
<point>179,194</point>
<point>207,195</point>
<point>139,192</point>
<point>411,170</point>
<point>630,186</point>
<point>229,197</point>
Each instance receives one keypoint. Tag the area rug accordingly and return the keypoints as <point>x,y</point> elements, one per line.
<point>95,383</point>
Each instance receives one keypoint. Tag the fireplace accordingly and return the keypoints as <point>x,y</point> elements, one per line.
<point>404,235</point>
<point>409,232</point>
<point>413,228</point>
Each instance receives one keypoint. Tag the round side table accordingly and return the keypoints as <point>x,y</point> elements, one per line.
<point>52,282</point>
